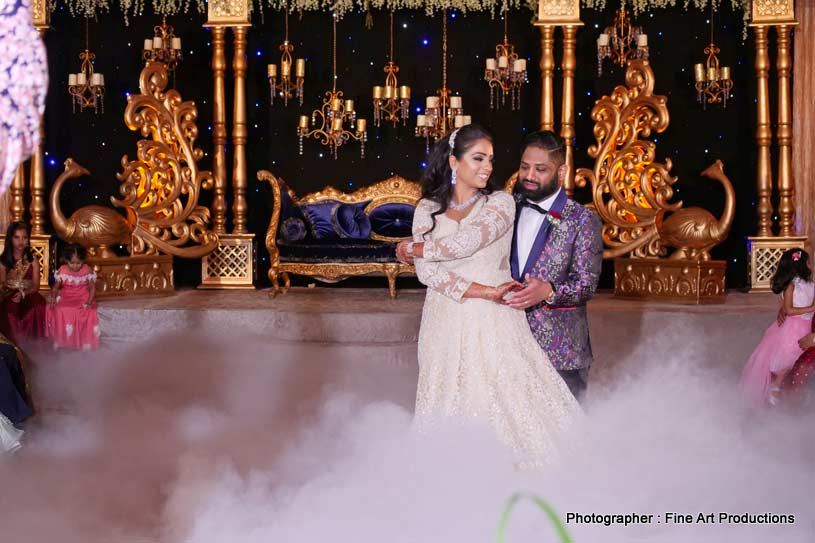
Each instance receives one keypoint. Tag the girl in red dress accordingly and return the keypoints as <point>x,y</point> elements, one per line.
<point>23,307</point>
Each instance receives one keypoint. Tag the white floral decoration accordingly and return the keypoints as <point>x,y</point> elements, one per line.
<point>131,8</point>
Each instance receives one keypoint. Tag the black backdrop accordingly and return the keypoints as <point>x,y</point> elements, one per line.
<point>677,38</point>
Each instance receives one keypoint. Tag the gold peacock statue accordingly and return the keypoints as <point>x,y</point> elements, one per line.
<point>159,190</point>
<point>631,191</point>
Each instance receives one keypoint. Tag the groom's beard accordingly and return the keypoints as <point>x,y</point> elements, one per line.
<point>544,190</point>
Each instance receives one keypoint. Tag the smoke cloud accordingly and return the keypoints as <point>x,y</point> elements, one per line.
<point>241,440</point>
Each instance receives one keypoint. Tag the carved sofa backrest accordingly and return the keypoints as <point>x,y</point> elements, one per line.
<point>382,212</point>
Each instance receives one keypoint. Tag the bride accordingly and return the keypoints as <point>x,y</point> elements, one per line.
<point>477,357</point>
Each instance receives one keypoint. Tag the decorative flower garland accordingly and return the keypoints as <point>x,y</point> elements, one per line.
<point>131,8</point>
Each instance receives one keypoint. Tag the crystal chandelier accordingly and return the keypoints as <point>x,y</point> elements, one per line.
<point>163,47</point>
<point>506,72</point>
<point>333,115</point>
<point>87,89</point>
<point>621,42</point>
<point>287,88</point>
<point>713,84</point>
<point>391,102</point>
<point>444,112</point>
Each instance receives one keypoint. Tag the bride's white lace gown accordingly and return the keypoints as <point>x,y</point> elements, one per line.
<point>478,359</point>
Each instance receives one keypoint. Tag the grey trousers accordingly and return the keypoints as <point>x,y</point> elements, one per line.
<point>577,381</point>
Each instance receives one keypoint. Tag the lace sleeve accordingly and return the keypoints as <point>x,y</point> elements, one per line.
<point>432,274</point>
<point>494,219</point>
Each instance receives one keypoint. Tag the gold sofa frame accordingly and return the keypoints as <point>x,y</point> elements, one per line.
<point>394,190</point>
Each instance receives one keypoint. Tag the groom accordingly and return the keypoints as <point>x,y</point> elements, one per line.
<point>557,252</point>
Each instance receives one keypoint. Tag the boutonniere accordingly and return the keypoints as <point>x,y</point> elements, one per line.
<point>555,218</point>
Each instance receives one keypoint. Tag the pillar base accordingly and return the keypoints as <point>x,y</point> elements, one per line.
<point>231,265</point>
<point>764,255</point>
<point>42,248</point>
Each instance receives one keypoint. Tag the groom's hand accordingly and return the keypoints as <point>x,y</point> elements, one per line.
<point>534,293</point>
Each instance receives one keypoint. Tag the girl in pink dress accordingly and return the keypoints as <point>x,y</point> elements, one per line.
<point>72,319</point>
<point>778,350</point>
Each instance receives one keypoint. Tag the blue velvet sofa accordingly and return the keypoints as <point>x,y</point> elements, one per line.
<point>330,235</point>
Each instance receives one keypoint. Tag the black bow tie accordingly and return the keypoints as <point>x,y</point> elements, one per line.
<point>530,205</point>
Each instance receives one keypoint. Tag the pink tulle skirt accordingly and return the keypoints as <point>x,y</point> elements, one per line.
<point>776,353</point>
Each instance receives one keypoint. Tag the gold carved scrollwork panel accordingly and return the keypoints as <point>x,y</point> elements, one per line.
<point>773,11</point>
<point>228,12</point>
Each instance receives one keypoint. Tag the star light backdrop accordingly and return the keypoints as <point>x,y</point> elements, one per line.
<point>693,140</point>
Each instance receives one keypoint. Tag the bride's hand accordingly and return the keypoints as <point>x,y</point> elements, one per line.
<point>402,254</point>
<point>497,294</point>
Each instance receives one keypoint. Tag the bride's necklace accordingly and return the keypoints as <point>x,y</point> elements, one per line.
<point>465,204</point>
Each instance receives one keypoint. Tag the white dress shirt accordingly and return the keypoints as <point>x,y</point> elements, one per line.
<point>529,223</point>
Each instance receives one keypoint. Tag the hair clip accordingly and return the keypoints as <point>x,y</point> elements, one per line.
<point>452,141</point>
<point>796,256</point>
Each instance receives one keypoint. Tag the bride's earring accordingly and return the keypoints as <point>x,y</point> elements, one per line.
<point>453,177</point>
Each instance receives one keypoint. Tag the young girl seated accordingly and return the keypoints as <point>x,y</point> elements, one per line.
<point>775,355</point>
<point>23,311</point>
<point>72,319</point>
<point>15,406</point>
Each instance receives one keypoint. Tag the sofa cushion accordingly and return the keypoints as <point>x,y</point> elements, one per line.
<point>341,251</point>
<point>351,222</point>
<point>292,229</point>
<point>393,220</point>
<point>287,207</point>
<point>320,218</point>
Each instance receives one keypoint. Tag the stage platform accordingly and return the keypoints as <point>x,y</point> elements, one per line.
<point>625,334</point>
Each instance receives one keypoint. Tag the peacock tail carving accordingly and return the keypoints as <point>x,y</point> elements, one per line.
<point>159,190</point>
<point>163,185</point>
<point>631,191</point>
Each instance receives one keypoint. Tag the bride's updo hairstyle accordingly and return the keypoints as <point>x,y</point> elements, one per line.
<point>436,184</point>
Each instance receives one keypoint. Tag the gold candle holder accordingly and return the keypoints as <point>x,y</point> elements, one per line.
<point>287,87</point>
<point>391,102</point>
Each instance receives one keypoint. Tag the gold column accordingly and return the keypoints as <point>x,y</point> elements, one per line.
<point>40,240</point>
<point>232,264</point>
<point>786,183</point>
<point>547,65</point>
<point>765,249</point>
<point>38,177</point>
<point>763,134</point>
<point>219,129</point>
<point>239,133</point>
<point>567,103</point>
<point>18,194</point>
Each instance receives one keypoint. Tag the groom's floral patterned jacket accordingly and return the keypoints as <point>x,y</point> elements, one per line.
<point>571,261</point>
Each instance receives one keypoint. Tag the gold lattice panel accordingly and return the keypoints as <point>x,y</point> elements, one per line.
<point>231,265</point>
<point>764,256</point>
<point>41,246</point>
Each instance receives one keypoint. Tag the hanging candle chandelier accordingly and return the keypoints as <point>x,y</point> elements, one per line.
<point>287,87</point>
<point>445,112</point>
<point>713,84</point>
<point>506,72</point>
<point>328,123</point>
<point>391,102</point>
<point>621,42</point>
<point>86,88</point>
<point>164,46</point>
